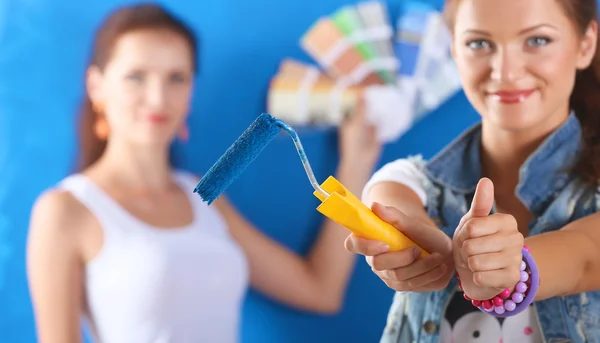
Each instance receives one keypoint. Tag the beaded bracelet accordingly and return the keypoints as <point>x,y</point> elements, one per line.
<point>520,297</point>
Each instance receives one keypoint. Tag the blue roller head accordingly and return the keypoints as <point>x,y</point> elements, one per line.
<point>239,155</point>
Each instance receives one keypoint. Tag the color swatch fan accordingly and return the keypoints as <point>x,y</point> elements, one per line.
<point>422,43</point>
<point>302,94</point>
<point>353,45</point>
<point>401,74</point>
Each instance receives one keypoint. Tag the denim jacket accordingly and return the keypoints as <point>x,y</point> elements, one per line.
<point>553,194</point>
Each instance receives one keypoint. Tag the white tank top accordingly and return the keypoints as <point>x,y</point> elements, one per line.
<point>151,285</point>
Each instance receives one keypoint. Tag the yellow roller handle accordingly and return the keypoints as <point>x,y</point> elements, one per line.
<point>347,210</point>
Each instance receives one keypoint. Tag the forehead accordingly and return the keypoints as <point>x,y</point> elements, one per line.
<point>152,49</point>
<point>505,16</point>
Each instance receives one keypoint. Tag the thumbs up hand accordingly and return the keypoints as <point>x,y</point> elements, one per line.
<point>487,248</point>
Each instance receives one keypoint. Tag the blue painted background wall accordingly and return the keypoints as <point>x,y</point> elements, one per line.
<point>43,48</point>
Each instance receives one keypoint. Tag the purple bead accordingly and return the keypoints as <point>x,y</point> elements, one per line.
<point>524,276</point>
<point>523,265</point>
<point>499,309</point>
<point>510,305</point>
<point>517,297</point>
<point>521,287</point>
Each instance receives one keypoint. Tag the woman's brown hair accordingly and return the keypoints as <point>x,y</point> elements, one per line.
<point>585,98</point>
<point>119,22</point>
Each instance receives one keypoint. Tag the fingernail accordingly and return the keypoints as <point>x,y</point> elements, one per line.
<point>381,208</point>
<point>384,248</point>
<point>386,208</point>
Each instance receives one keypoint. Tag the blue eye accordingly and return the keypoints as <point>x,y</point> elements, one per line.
<point>478,44</point>
<point>538,41</point>
<point>178,78</point>
<point>136,76</point>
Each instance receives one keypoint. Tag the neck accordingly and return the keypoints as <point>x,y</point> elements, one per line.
<point>502,156</point>
<point>503,152</point>
<point>133,167</point>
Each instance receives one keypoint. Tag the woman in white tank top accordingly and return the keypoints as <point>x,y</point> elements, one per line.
<point>126,245</point>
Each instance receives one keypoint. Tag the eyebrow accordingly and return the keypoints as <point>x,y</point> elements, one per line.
<point>529,29</point>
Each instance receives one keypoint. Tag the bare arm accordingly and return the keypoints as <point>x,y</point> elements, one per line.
<point>403,270</point>
<point>315,283</point>
<point>568,260</point>
<point>400,197</point>
<point>54,269</point>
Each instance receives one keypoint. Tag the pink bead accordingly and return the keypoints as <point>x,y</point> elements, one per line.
<point>499,309</point>
<point>486,304</point>
<point>505,293</point>
<point>524,276</point>
<point>488,309</point>
<point>458,276</point>
<point>523,265</point>
<point>476,303</point>
<point>466,296</point>
<point>460,286</point>
<point>510,305</point>
<point>521,287</point>
<point>517,297</point>
<point>497,301</point>
<point>526,248</point>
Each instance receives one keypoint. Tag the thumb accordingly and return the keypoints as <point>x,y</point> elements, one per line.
<point>483,200</point>
<point>482,203</point>
<point>427,237</point>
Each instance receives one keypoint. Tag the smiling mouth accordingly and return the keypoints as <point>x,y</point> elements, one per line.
<point>157,119</point>
<point>511,96</point>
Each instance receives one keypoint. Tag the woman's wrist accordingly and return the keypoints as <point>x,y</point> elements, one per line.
<point>510,302</point>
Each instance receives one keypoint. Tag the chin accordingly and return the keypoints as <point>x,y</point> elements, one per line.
<point>513,117</point>
<point>153,141</point>
<point>515,122</point>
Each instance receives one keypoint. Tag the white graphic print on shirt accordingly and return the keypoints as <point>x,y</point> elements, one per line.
<point>464,323</point>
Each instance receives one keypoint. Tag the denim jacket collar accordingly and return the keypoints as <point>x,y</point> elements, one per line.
<point>458,166</point>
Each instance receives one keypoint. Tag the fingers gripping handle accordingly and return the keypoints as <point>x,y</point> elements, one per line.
<point>347,210</point>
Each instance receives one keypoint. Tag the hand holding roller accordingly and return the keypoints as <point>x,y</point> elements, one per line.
<point>338,204</point>
<point>344,208</point>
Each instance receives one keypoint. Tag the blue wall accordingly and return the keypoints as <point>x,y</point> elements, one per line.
<point>43,48</point>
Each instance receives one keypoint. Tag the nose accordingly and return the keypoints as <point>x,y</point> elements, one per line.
<point>508,65</point>
<point>156,94</point>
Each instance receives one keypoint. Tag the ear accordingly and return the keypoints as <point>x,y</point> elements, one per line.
<point>588,46</point>
<point>452,49</point>
<point>93,83</point>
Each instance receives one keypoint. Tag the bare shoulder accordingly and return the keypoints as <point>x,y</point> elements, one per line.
<point>56,214</point>
<point>58,206</point>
